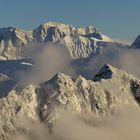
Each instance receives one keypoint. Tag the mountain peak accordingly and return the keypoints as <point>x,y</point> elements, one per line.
<point>108,71</point>
<point>105,72</point>
<point>51,23</point>
<point>60,76</point>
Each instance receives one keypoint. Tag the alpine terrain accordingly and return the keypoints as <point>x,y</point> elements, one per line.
<point>26,108</point>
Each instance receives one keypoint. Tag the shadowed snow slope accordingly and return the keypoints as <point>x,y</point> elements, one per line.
<point>6,84</point>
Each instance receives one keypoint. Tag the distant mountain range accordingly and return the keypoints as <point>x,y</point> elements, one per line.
<point>81,42</point>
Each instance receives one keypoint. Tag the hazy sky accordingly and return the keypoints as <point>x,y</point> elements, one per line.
<point>115,18</point>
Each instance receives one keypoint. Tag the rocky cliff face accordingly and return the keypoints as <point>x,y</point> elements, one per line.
<point>81,42</point>
<point>136,43</point>
<point>11,42</point>
<point>110,89</point>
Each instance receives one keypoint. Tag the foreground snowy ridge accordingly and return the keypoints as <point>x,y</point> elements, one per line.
<point>110,89</point>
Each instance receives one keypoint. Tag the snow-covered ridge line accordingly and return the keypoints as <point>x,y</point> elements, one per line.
<point>81,42</point>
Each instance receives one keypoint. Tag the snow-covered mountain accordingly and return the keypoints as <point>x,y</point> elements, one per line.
<point>81,42</point>
<point>23,100</point>
<point>110,89</point>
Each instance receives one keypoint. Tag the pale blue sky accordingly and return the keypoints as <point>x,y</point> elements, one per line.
<point>116,18</point>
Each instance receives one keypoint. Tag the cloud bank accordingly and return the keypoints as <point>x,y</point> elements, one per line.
<point>123,126</point>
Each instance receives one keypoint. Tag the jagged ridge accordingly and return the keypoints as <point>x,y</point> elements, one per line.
<point>81,42</point>
<point>113,88</point>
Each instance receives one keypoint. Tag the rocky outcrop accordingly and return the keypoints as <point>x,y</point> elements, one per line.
<point>11,42</point>
<point>112,88</point>
<point>81,42</point>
